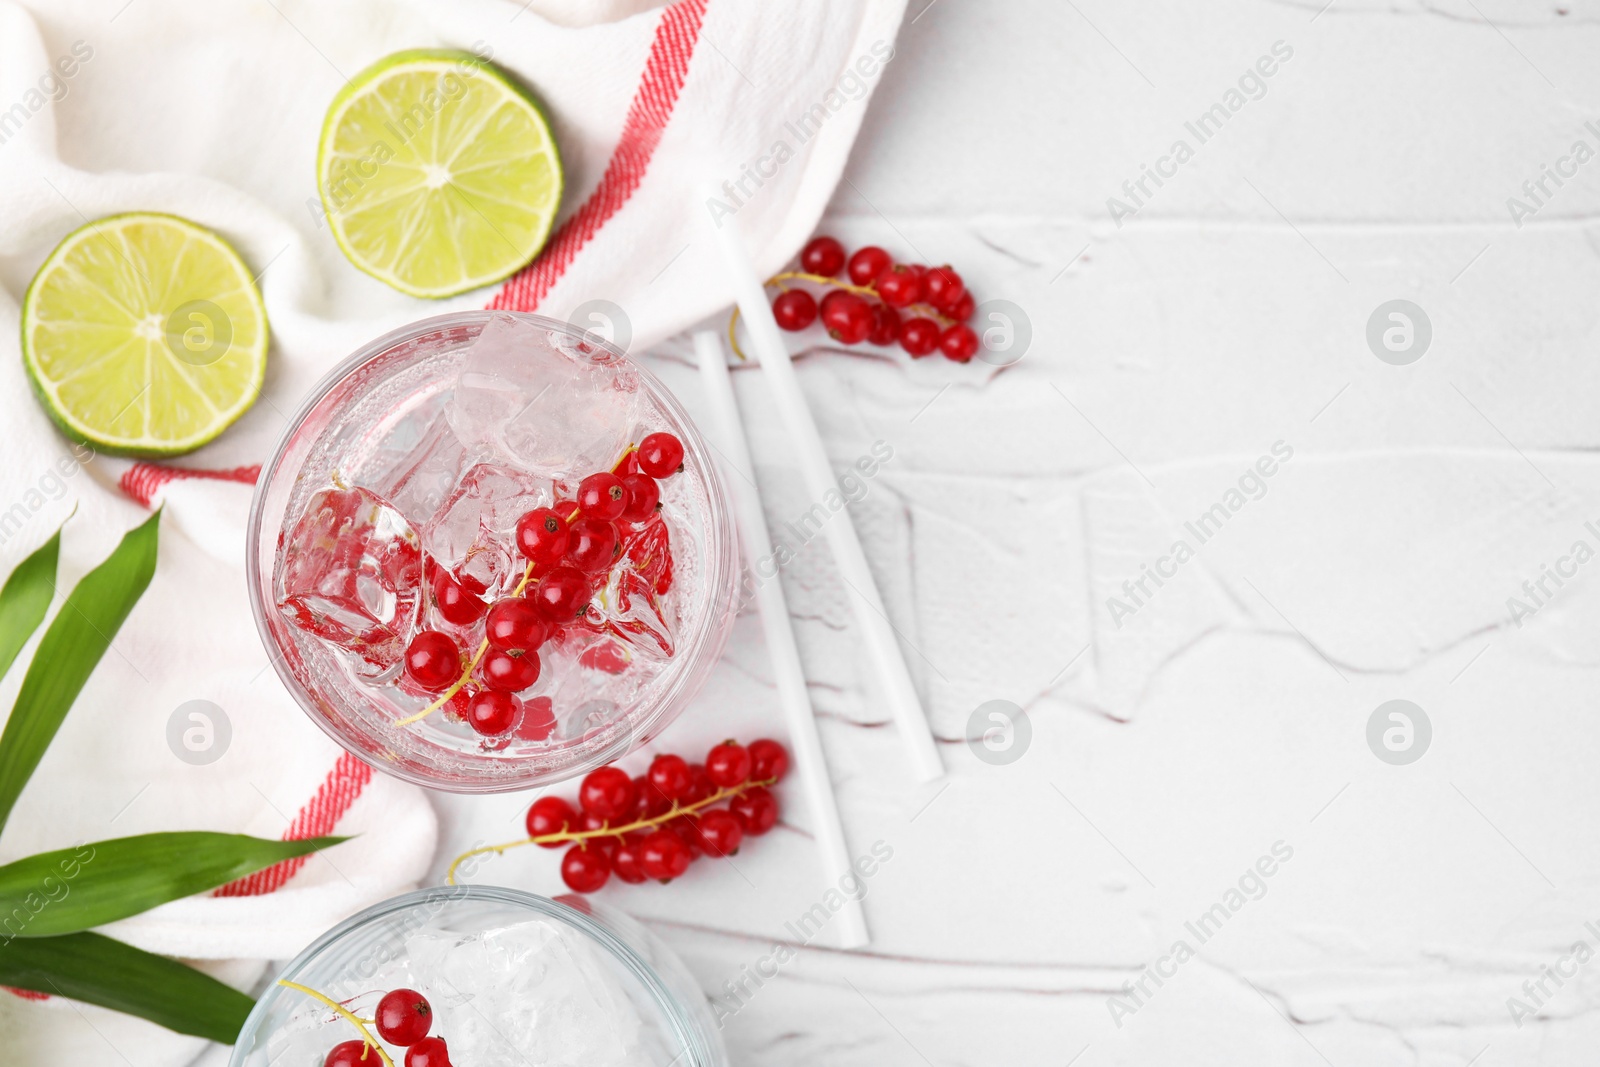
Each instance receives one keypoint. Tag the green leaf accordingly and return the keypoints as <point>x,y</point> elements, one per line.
<point>71,647</point>
<point>73,889</point>
<point>99,970</point>
<point>26,598</point>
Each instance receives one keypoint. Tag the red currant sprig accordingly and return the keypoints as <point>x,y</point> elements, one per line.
<point>656,825</point>
<point>403,1017</point>
<point>868,307</point>
<point>572,544</point>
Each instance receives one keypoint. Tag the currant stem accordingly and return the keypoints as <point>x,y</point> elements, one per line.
<point>607,831</point>
<point>483,646</point>
<point>342,1011</point>
<point>849,287</point>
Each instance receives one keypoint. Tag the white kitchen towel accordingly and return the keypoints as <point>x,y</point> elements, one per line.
<point>212,111</point>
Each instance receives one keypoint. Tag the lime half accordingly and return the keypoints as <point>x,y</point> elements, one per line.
<point>144,335</point>
<point>437,173</point>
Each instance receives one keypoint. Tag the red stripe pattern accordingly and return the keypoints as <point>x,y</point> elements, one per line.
<point>144,480</point>
<point>648,114</point>
<point>319,817</point>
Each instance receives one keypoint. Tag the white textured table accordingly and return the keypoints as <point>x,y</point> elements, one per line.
<point>1215,725</point>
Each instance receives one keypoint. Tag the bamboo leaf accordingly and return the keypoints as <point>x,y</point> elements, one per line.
<point>71,647</point>
<point>99,970</point>
<point>26,598</point>
<point>74,889</point>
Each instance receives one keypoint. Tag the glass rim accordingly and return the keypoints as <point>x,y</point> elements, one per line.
<point>673,1011</point>
<point>721,567</point>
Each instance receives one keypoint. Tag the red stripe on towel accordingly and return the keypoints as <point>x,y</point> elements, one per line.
<point>648,115</point>
<point>319,817</point>
<point>144,480</point>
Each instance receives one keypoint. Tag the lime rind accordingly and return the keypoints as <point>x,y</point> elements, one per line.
<point>86,352</point>
<point>438,174</point>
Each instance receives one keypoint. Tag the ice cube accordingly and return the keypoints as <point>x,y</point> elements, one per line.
<point>629,610</point>
<point>629,606</point>
<point>426,461</point>
<point>525,993</point>
<point>598,677</point>
<point>352,574</point>
<point>305,1037</point>
<point>472,533</point>
<point>553,405</point>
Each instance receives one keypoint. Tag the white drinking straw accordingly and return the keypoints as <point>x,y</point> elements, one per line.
<point>878,636</point>
<point>809,762</point>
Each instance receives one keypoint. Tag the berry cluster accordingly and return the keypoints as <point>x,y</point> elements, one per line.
<point>569,547</point>
<point>654,826</point>
<point>884,302</point>
<point>403,1017</point>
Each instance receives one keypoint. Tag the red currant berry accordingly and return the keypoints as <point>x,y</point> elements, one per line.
<point>829,306</point>
<point>542,535</point>
<point>594,545</point>
<point>885,325</point>
<point>514,626</point>
<point>403,1017</point>
<point>720,833</point>
<point>350,1054</point>
<point>756,811</point>
<point>455,709</point>
<point>700,785</point>
<point>589,822</point>
<point>769,761</point>
<point>900,286</point>
<point>432,660</point>
<point>728,765</point>
<point>538,719</point>
<point>663,856</point>
<point>660,455</point>
<point>794,310</point>
<point>585,868</point>
<point>688,828</point>
<point>942,287</point>
<point>491,712</point>
<point>455,603</point>
<point>602,496</point>
<point>625,861</point>
<point>822,255</point>
<point>650,801</point>
<point>561,594</point>
<point>670,776</point>
<point>607,792</point>
<point>962,309</point>
<point>644,497</point>
<point>550,815</point>
<point>867,263</point>
<point>919,336</point>
<point>509,673</point>
<point>959,343</point>
<point>429,1052</point>
<point>847,317</point>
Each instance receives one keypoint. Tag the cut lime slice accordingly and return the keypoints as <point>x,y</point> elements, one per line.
<point>437,173</point>
<point>144,335</point>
